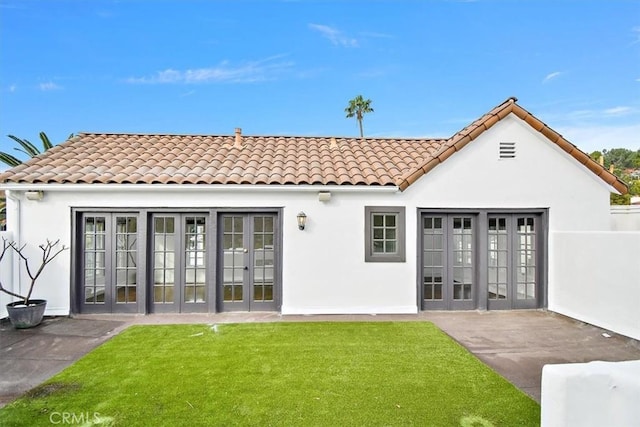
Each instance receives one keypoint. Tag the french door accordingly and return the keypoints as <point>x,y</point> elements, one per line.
<point>109,263</point>
<point>180,263</point>
<point>176,262</point>
<point>448,262</point>
<point>247,264</point>
<point>482,260</point>
<point>513,261</point>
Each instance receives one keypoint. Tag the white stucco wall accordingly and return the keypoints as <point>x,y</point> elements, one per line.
<point>6,275</point>
<point>597,279</point>
<point>625,218</point>
<point>541,176</point>
<point>323,266</point>
<point>591,394</point>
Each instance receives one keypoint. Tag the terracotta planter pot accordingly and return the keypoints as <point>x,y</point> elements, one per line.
<point>26,316</point>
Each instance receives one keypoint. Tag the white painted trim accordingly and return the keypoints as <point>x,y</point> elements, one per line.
<point>625,209</point>
<point>401,309</point>
<point>14,223</point>
<point>200,187</point>
<point>56,311</point>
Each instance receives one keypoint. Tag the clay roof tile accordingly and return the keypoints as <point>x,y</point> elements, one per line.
<point>197,159</point>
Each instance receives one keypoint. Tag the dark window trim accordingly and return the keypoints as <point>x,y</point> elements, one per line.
<point>399,256</point>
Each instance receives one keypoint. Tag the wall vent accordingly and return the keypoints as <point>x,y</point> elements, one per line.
<point>507,150</point>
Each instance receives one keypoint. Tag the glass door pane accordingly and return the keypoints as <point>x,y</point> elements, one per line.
<point>94,260</point>
<point>233,259</point>
<point>498,261</point>
<point>126,259</point>
<point>263,254</point>
<point>164,260</point>
<point>195,252</point>
<point>433,258</point>
<point>462,251</point>
<point>525,255</point>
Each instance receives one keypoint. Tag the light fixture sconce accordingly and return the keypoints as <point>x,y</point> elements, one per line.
<point>302,220</point>
<point>324,196</point>
<point>34,195</point>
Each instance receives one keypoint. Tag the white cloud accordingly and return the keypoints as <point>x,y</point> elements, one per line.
<point>248,72</point>
<point>335,36</point>
<point>607,113</point>
<point>618,111</point>
<point>636,35</point>
<point>13,88</point>
<point>590,138</point>
<point>582,114</point>
<point>47,86</point>
<point>552,76</point>
<point>598,128</point>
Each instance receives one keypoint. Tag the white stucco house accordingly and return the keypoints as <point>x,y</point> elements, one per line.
<point>196,223</point>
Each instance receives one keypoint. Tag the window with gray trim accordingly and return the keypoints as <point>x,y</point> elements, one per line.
<point>384,233</point>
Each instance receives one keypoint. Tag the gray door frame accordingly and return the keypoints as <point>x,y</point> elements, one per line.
<point>78,288</point>
<point>179,304</point>
<point>448,302</point>
<point>481,245</point>
<point>247,304</point>
<point>144,299</point>
<point>512,302</point>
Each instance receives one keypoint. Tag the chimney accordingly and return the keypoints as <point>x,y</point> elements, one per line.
<point>238,141</point>
<point>601,160</point>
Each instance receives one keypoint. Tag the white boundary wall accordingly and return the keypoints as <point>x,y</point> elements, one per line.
<point>625,218</point>
<point>591,394</point>
<point>595,277</point>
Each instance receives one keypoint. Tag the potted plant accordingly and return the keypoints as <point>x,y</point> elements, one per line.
<point>27,312</point>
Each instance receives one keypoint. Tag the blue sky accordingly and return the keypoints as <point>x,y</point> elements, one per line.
<point>290,67</point>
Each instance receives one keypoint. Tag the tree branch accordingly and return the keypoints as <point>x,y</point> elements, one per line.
<point>48,255</point>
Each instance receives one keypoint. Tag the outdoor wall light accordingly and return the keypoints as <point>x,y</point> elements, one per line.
<point>302,220</point>
<point>324,196</point>
<point>34,195</point>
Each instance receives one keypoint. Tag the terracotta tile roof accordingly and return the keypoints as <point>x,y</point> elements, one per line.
<point>239,159</point>
<point>199,159</point>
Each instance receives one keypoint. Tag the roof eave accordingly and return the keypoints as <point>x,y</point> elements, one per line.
<point>57,187</point>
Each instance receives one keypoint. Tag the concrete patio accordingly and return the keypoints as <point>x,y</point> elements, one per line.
<point>516,344</point>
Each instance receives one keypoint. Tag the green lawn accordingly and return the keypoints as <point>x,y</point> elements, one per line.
<point>278,374</point>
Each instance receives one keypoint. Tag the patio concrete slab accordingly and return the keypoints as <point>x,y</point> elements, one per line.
<point>516,344</point>
<point>30,356</point>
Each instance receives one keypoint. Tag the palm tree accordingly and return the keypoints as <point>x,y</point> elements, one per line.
<point>357,107</point>
<point>30,150</point>
<point>27,148</point>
